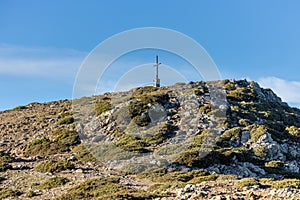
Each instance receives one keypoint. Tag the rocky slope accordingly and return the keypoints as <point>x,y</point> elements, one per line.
<point>203,140</point>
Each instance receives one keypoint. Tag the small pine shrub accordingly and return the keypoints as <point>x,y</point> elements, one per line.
<point>274,164</point>
<point>246,182</point>
<point>53,183</point>
<point>63,141</point>
<point>227,177</point>
<point>293,130</point>
<point>52,166</point>
<point>261,152</point>
<point>287,183</point>
<point>200,179</point>
<point>256,131</point>
<point>66,120</point>
<point>5,160</point>
<point>102,106</point>
<point>83,154</point>
<point>6,193</point>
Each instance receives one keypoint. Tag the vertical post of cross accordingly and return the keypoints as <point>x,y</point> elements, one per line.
<point>156,80</point>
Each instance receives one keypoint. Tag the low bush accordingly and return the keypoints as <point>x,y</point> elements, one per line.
<point>83,154</point>
<point>102,106</point>
<point>200,179</point>
<point>52,166</point>
<point>287,183</point>
<point>63,141</point>
<point>294,131</point>
<point>106,189</point>
<point>246,182</point>
<point>5,160</point>
<point>261,152</point>
<point>66,120</point>
<point>256,131</point>
<point>6,193</point>
<point>227,177</point>
<point>53,183</point>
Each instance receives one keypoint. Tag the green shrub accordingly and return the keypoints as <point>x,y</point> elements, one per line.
<point>256,131</point>
<point>244,122</point>
<point>200,179</point>
<point>261,152</point>
<point>295,131</point>
<point>205,109</point>
<point>31,194</point>
<point>142,91</point>
<point>136,144</point>
<point>20,108</point>
<point>287,183</point>
<point>52,166</point>
<point>229,86</point>
<point>66,120</point>
<point>274,164</point>
<point>266,181</point>
<point>242,94</point>
<point>53,182</point>
<point>63,141</point>
<point>102,106</point>
<point>83,154</point>
<point>227,177</point>
<point>246,182</point>
<point>231,134</point>
<point>106,189</point>
<point>5,160</point>
<point>6,192</point>
<point>131,143</point>
<point>163,176</point>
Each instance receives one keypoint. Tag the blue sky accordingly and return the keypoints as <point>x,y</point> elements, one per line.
<point>43,43</point>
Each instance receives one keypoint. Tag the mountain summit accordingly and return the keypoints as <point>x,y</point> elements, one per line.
<point>198,140</point>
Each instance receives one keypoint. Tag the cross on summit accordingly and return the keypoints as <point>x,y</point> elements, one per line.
<point>157,80</point>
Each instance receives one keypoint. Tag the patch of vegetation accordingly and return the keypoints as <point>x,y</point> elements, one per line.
<point>261,152</point>
<point>231,134</point>
<point>287,183</point>
<point>66,120</point>
<point>19,108</point>
<point>242,94</point>
<point>227,177</point>
<point>53,166</point>
<point>200,179</point>
<point>142,91</point>
<point>229,86</point>
<point>131,143</point>
<point>244,122</point>
<point>106,188</point>
<point>6,193</point>
<point>246,182</point>
<point>32,193</point>
<point>294,131</point>
<point>200,90</point>
<point>63,141</point>
<point>5,160</point>
<point>53,183</point>
<point>256,131</point>
<point>205,109</point>
<point>137,144</point>
<point>174,178</point>
<point>83,154</point>
<point>266,181</point>
<point>139,107</point>
<point>102,106</point>
<point>274,164</point>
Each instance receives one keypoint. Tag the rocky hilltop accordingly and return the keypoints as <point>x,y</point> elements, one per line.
<point>227,139</point>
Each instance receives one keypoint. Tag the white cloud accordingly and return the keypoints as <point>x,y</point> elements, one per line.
<point>42,62</point>
<point>289,91</point>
